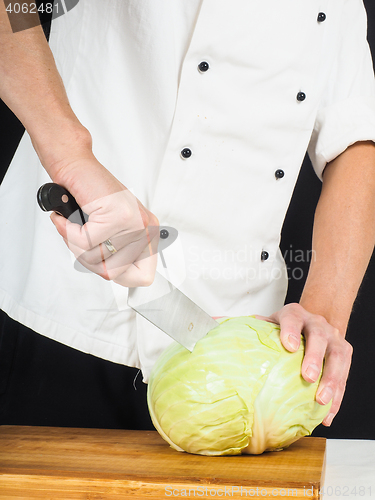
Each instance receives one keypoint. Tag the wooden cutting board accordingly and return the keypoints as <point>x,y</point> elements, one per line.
<point>62,463</point>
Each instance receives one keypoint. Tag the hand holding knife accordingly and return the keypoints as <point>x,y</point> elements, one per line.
<point>160,303</point>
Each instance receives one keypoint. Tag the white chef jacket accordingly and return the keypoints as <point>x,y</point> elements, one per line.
<point>280,79</point>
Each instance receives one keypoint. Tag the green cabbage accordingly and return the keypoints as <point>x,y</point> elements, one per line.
<point>239,391</point>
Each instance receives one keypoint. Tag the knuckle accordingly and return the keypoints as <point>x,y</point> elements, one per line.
<point>148,218</point>
<point>152,220</point>
<point>331,382</point>
<point>348,357</point>
<point>320,320</point>
<point>335,332</point>
<point>348,349</point>
<point>294,308</point>
<point>127,215</point>
<point>341,351</point>
<point>339,355</point>
<point>294,313</point>
<point>337,382</point>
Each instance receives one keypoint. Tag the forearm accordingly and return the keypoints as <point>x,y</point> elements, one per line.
<point>31,87</point>
<point>343,235</point>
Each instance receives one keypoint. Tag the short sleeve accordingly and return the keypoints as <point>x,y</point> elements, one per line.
<point>346,113</point>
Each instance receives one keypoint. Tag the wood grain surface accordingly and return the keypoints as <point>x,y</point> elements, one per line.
<point>64,463</point>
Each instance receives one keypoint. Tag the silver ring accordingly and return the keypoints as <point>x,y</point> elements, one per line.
<point>109,246</point>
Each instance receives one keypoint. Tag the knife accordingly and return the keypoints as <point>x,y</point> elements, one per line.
<point>161,303</point>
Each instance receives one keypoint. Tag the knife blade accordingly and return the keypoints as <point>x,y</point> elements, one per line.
<point>161,303</point>
<point>173,312</point>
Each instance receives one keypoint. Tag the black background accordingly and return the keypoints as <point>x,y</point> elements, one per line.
<point>356,418</point>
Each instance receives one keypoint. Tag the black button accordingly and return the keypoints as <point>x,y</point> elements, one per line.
<point>186,153</point>
<point>279,174</point>
<point>264,255</point>
<point>164,234</point>
<point>321,17</point>
<point>203,67</point>
<point>301,96</point>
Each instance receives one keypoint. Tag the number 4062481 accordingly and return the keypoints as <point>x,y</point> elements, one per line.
<point>345,491</point>
<point>31,8</point>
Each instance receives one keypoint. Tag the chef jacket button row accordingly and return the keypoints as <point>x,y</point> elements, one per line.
<point>279,174</point>
<point>187,152</point>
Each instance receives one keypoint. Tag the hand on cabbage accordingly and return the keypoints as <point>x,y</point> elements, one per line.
<point>239,391</point>
<point>323,343</point>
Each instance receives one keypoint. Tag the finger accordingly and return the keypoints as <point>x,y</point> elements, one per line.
<point>119,262</point>
<point>115,265</point>
<point>73,234</point>
<point>336,370</point>
<point>291,319</point>
<point>336,403</point>
<point>68,230</point>
<point>101,252</point>
<point>117,213</point>
<point>317,332</point>
<point>135,252</point>
<point>140,273</point>
<point>99,269</point>
<point>89,240</point>
<point>120,243</point>
<point>104,222</point>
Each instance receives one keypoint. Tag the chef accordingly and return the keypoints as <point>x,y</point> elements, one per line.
<point>196,116</point>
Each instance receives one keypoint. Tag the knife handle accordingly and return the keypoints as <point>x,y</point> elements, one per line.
<point>53,197</point>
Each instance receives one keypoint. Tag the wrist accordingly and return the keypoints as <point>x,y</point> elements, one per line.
<point>63,145</point>
<point>74,166</point>
<point>336,314</point>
